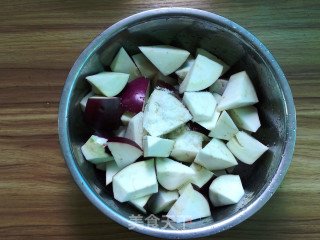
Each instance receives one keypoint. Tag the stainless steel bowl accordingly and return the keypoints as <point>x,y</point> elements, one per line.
<point>188,29</point>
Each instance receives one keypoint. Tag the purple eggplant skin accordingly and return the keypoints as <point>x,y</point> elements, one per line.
<point>103,114</point>
<point>163,84</point>
<point>134,94</point>
<point>125,141</point>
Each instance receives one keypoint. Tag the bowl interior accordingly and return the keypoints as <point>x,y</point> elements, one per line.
<point>188,33</point>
